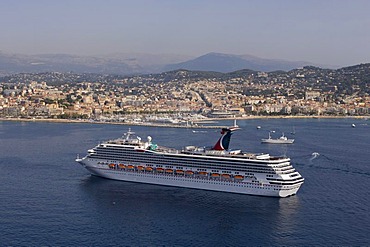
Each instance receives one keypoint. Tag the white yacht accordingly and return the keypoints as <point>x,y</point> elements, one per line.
<point>281,140</point>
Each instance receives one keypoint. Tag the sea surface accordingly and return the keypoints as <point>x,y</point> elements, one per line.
<point>47,199</point>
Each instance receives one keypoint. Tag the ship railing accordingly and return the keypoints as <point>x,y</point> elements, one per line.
<point>167,150</point>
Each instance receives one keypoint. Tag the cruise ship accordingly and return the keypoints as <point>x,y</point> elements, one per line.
<point>129,158</point>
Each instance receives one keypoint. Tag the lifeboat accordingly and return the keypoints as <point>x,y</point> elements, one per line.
<point>159,170</point>
<point>130,167</point>
<point>112,166</point>
<point>122,166</point>
<point>239,177</point>
<point>189,173</point>
<point>179,172</point>
<point>227,176</point>
<point>169,171</point>
<point>215,175</point>
<point>148,169</point>
<point>140,168</point>
<point>203,173</point>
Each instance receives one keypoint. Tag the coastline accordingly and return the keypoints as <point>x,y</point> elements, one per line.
<point>149,124</point>
<point>198,122</point>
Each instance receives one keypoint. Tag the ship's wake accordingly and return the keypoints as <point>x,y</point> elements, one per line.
<point>321,161</point>
<point>314,156</point>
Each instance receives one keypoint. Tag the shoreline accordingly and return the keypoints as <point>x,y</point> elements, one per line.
<point>47,120</point>
<point>169,125</point>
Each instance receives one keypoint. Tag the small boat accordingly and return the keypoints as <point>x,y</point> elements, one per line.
<point>353,125</point>
<point>199,131</point>
<point>202,173</point>
<point>140,168</point>
<point>112,166</point>
<point>215,175</point>
<point>159,170</point>
<point>281,140</point>
<point>130,167</point>
<point>121,166</point>
<point>227,176</point>
<point>258,127</point>
<point>169,171</point>
<point>189,173</point>
<point>148,169</point>
<point>179,172</point>
<point>239,177</point>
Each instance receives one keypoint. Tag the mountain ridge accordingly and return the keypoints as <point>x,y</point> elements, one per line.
<point>222,62</point>
<point>139,63</point>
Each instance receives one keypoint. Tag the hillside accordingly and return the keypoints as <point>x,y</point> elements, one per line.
<point>347,79</point>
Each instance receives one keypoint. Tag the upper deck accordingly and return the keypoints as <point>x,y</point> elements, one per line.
<point>193,150</point>
<point>134,142</point>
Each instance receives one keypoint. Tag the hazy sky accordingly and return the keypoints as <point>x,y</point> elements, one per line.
<point>334,32</point>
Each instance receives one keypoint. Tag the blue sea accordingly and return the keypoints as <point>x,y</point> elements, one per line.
<point>47,199</point>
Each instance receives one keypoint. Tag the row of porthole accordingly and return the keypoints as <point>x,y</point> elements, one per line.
<point>255,187</point>
<point>251,186</point>
<point>240,185</point>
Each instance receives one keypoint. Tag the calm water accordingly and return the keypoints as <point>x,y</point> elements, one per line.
<point>48,199</point>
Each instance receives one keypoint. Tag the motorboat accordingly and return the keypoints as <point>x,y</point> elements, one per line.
<point>281,140</point>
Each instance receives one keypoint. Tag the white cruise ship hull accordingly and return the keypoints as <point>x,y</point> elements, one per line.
<point>193,182</point>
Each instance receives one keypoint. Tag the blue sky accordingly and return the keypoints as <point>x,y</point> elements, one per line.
<point>333,32</point>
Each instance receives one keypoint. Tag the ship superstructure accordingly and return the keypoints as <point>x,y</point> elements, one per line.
<point>131,159</point>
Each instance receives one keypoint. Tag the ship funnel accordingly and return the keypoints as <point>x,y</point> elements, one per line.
<point>224,141</point>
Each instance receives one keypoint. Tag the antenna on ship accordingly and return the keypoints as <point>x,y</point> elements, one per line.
<point>235,125</point>
<point>128,133</point>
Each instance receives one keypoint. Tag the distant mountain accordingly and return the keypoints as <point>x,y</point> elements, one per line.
<point>138,63</point>
<point>120,63</point>
<point>227,63</point>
